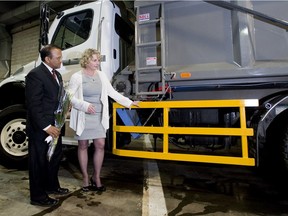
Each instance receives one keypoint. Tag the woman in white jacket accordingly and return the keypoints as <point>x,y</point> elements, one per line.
<point>90,114</point>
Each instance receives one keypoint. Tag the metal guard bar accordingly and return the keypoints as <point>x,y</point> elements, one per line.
<point>165,130</point>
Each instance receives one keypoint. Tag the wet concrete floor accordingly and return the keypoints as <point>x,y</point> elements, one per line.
<point>151,188</point>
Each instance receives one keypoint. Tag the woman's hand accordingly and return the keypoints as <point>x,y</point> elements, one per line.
<point>135,103</point>
<point>91,109</point>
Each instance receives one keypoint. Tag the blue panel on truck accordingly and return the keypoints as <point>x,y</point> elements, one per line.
<point>130,118</point>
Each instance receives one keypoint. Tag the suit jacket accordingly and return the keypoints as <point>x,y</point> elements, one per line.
<point>79,106</point>
<point>42,99</point>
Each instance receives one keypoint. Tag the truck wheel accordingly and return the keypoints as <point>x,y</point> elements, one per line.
<point>122,85</point>
<point>14,142</point>
<point>276,153</point>
<point>282,153</point>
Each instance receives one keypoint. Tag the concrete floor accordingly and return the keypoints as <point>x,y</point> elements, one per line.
<point>14,196</point>
<point>150,188</point>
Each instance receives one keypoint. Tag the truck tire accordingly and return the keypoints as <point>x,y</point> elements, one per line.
<point>14,142</point>
<point>282,149</point>
<point>276,149</point>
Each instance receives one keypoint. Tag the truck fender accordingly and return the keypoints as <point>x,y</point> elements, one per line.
<point>272,130</point>
<point>267,115</point>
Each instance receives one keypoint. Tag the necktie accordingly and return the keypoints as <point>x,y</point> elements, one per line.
<point>54,74</point>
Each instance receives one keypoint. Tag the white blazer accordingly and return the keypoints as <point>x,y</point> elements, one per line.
<point>79,106</point>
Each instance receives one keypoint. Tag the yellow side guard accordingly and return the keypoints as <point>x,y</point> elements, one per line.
<point>165,130</point>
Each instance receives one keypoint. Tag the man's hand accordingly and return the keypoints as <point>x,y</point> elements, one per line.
<point>53,131</point>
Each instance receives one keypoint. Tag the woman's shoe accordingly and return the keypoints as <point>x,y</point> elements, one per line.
<point>94,186</point>
<point>85,188</point>
<point>101,188</point>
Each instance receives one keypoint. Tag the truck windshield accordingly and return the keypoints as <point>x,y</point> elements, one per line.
<point>73,29</point>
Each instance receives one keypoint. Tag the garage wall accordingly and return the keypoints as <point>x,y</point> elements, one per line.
<point>5,51</point>
<point>24,47</point>
<point>24,44</point>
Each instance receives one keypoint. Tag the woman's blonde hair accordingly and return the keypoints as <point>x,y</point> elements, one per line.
<point>87,55</point>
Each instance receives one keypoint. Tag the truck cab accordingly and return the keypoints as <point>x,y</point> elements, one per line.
<point>95,25</point>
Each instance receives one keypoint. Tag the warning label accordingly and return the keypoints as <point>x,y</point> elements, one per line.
<point>151,60</point>
<point>144,17</point>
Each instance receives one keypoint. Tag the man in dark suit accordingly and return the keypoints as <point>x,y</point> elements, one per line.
<point>43,92</point>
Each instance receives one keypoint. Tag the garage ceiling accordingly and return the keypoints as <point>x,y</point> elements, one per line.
<point>17,13</point>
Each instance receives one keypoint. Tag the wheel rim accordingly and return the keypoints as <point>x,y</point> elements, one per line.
<point>13,138</point>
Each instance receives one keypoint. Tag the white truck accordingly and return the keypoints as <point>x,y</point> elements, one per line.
<point>206,51</point>
<point>92,25</point>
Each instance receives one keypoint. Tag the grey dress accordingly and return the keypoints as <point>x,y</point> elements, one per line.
<point>91,93</point>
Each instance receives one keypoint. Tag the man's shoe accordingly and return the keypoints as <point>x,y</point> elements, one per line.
<point>59,191</point>
<point>48,202</point>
